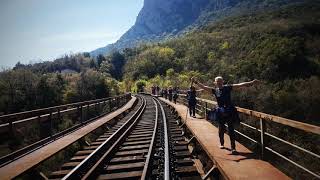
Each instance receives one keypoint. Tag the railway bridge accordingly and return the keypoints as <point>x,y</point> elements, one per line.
<point>148,137</point>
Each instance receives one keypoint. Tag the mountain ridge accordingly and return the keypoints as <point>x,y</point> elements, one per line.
<point>170,18</point>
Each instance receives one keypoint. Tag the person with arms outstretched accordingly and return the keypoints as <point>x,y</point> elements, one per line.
<point>226,111</point>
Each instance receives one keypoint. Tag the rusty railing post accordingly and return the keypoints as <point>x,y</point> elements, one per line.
<point>81,114</point>
<point>51,123</point>
<point>88,110</point>
<point>206,110</point>
<point>262,136</point>
<point>59,115</point>
<point>118,101</point>
<point>11,128</point>
<point>39,123</point>
<point>110,104</point>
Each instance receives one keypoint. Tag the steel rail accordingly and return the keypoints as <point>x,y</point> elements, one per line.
<point>166,145</point>
<point>148,164</point>
<point>94,161</point>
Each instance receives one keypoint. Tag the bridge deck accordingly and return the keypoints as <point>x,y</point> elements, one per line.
<point>18,166</point>
<point>240,166</point>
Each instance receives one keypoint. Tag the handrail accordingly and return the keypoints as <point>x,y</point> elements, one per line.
<point>262,118</point>
<point>40,111</point>
<point>288,122</point>
<point>9,119</point>
<point>50,116</point>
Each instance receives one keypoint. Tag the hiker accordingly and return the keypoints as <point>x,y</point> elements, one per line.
<point>175,94</point>
<point>192,99</point>
<point>165,93</point>
<point>226,112</point>
<point>153,90</point>
<point>157,90</point>
<point>170,91</point>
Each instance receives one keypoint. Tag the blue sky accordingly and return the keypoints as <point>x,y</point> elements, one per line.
<point>33,30</point>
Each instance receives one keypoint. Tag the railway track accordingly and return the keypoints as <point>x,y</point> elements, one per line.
<point>146,144</point>
<point>181,161</point>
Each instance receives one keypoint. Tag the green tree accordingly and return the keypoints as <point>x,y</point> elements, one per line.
<point>117,61</point>
<point>100,59</point>
<point>92,64</point>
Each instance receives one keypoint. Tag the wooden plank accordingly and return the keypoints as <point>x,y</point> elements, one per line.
<point>137,142</point>
<point>125,166</point>
<point>133,152</point>
<point>83,152</point>
<point>124,175</point>
<point>126,159</point>
<point>31,160</point>
<point>78,158</point>
<point>59,174</point>
<point>69,165</point>
<point>186,170</point>
<point>241,166</point>
<point>144,146</point>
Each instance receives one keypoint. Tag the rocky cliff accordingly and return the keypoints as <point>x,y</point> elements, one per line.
<point>161,19</point>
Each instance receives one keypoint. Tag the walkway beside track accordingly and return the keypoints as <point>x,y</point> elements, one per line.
<point>240,166</point>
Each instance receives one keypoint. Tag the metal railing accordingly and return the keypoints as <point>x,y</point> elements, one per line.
<point>262,118</point>
<point>80,111</point>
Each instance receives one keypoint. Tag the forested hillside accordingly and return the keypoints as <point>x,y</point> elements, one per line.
<point>278,47</point>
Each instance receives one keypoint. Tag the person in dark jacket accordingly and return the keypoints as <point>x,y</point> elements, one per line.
<point>192,99</point>
<point>175,94</point>
<point>226,110</point>
<point>153,90</point>
<point>170,91</point>
<point>165,93</point>
<point>157,90</point>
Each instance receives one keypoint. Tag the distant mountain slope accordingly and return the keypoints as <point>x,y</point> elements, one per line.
<point>159,20</point>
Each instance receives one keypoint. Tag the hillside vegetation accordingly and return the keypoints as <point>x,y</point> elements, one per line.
<point>72,78</point>
<point>280,47</point>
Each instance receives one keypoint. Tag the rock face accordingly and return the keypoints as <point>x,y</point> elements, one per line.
<point>160,19</point>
